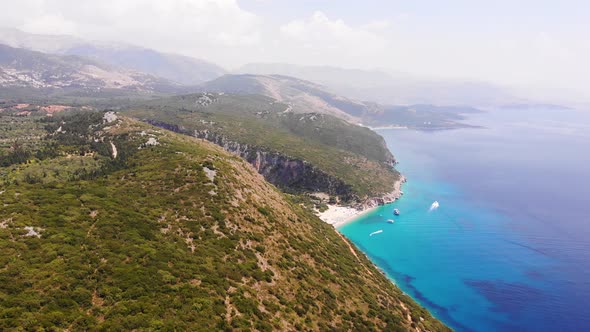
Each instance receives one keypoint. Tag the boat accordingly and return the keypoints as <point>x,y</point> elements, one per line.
<point>391,221</point>
<point>376,232</point>
<point>396,212</point>
<point>434,205</point>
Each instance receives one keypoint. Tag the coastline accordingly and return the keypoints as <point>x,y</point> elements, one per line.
<point>340,215</point>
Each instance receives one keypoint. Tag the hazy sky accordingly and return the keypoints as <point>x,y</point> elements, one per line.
<point>539,44</point>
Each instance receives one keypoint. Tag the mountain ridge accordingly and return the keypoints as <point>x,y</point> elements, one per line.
<point>304,96</point>
<point>21,68</point>
<point>300,94</point>
<point>391,88</point>
<point>177,68</point>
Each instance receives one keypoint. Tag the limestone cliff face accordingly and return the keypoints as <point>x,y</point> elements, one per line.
<point>287,173</point>
<point>291,174</point>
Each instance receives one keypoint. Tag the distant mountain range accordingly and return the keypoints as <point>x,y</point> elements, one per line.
<point>376,85</point>
<point>306,97</point>
<point>373,97</point>
<point>21,68</point>
<point>391,88</point>
<point>177,68</point>
<point>303,96</point>
<point>30,73</point>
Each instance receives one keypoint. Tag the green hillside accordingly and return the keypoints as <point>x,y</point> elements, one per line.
<point>111,224</point>
<point>353,154</point>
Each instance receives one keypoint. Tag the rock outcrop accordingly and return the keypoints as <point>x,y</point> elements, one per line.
<point>384,199</point>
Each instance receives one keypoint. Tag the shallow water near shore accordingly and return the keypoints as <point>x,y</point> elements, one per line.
<point>508,249</point>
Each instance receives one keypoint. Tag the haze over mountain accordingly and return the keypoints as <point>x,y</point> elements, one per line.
<point>374,85</point>
<point>174,67</point>
<point>21,68</point>
<point>533,46</point>
<point>31,72</point>
<point>307,97</point>
<point>391,88</point>
<point>382,86</point>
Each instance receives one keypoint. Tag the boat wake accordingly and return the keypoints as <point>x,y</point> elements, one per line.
<point>376,232</point>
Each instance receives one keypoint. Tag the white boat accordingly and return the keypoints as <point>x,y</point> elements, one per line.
<point>434,205</point>
<point>391,221</point>
<point>376,232</point>
<point>396,212</point>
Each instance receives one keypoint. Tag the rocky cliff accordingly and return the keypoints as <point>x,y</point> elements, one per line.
<point>293,175</point>
<point>288,174</point>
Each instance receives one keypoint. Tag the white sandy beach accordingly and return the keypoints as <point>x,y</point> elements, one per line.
<point>338,216</point>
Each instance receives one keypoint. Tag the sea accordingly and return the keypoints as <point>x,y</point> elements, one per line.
<point>508,247</point>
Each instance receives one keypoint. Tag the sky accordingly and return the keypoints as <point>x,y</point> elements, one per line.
<point>542,46</point>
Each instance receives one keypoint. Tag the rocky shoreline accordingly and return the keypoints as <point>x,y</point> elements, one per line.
<point>384,199</point>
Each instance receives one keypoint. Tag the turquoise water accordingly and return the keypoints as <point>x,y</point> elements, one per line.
<point>508,249</point>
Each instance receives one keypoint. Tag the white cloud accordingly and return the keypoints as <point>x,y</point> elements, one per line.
<point>54,24</point>
<point>377,26</point>
<point>189,26</point>
<point>332,40</point>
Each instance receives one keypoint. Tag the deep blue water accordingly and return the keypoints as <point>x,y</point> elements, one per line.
<point>509,247</point>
